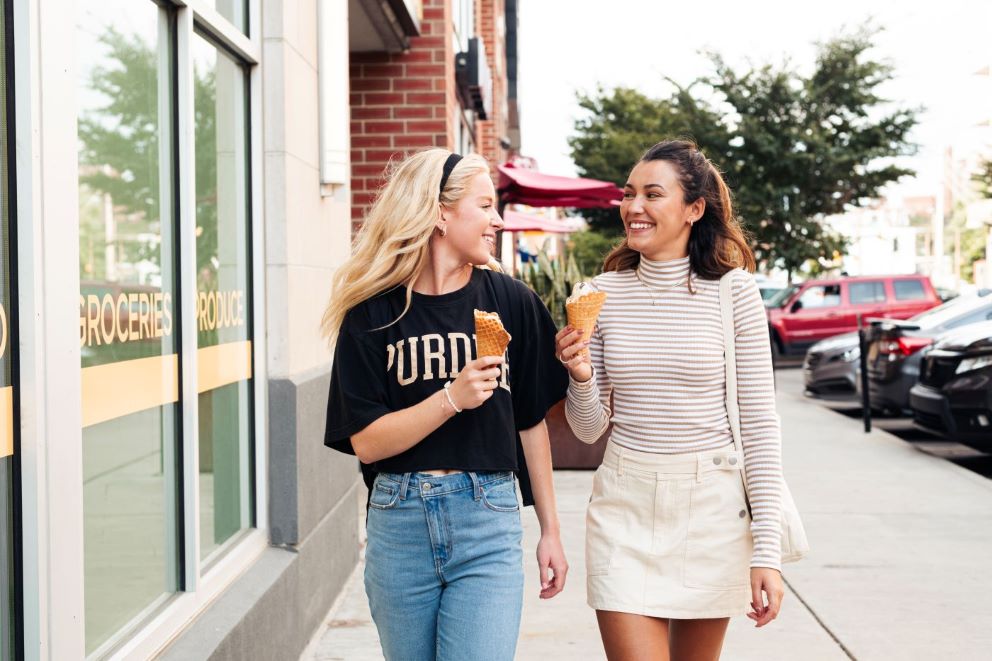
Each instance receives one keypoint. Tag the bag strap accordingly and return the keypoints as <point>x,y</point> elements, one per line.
<point>730,357</point>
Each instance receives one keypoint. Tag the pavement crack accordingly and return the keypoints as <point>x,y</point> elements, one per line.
<point>823,625</point>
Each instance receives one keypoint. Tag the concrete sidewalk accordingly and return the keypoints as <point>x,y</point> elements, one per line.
<point>900,566</point>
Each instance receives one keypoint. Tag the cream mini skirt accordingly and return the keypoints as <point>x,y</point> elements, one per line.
<point>669,535</point>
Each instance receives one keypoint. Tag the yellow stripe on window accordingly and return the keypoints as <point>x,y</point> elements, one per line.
<point>6,421</point>
<point>223,364</point>
<point>117,389</point>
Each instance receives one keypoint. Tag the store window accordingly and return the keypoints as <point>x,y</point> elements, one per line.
<point>236,11</point>
<point>128,329</point>
<point>9,578</point>
<point>223,298</point>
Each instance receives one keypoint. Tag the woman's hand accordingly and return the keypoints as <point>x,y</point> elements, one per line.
<point>476,383</point>
<point>568,348</point>
<point>551,555</point>
<point>767,581</point>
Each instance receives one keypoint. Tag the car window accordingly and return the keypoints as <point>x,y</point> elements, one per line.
<point>780,298</point>
<point>768,293</point>
<point>984,314</point>
<point>909,290</point>
<point>820,296</point>
<point>959,308</point>
<point>862,293</point>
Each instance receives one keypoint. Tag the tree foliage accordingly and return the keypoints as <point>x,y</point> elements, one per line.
<point>983,178</point>
<point>794,148</point>
<point>120,150</point>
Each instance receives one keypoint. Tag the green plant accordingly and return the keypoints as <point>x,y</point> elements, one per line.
<point>589,249</point>
<point>552,280</point>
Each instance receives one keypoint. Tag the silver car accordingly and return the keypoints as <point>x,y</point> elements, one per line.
<point>830,367</point>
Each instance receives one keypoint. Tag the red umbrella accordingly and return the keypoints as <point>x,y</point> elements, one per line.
<point>524,186</point>
<point>514,221</point>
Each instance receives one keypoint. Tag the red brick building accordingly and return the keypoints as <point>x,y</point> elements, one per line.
<point>442,74</point>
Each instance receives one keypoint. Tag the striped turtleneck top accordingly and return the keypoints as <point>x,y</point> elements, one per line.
<point>658,349</point>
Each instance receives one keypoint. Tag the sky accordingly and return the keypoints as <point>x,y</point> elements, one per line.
<point>574,45</point>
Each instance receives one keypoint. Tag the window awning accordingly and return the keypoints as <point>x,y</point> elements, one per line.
<point>515,221</point>
<point>530,187</point>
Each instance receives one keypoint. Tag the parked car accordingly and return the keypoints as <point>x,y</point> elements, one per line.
<point>954,394</point>
<point>831,366</point>
<point>819,309</point>
<point>895,352</point>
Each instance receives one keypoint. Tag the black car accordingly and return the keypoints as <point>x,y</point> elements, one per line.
<point>954,395</point>
<point>897,346</point>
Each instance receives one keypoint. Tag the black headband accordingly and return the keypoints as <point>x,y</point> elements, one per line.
<point>449,165</point>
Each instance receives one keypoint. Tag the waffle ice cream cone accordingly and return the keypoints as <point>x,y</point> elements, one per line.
<point>491,339</point>
<point>582,309</point>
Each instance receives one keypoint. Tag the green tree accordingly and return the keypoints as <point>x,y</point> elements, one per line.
<point>794,148</point>
<point>589,249</point>
<point>983,178</point>
<point>621,123</point>
<point>969,241</point>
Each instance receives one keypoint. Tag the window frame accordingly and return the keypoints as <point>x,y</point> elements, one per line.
<point>12,339</point>
<point>44,102</point>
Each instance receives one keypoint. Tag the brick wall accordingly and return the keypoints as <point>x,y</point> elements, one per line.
<point>404,102</point>
<point>401,103</point>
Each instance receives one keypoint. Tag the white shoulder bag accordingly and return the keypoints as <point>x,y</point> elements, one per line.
<point>794,543</point>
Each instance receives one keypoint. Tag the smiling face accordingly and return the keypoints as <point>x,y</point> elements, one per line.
<point>654,213</point>
<point>473,221</point>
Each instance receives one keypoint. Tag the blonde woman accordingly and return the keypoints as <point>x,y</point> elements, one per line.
<point>672,551</point>
<point>439,432</point>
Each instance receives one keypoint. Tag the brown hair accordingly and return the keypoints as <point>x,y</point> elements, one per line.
<point>717,242</point>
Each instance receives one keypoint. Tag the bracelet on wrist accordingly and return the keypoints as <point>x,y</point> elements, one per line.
<point>447,393</point>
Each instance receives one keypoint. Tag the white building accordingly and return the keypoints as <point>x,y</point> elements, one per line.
<point>881,241</point>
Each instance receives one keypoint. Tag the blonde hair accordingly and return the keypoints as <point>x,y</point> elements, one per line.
<point>392,246</point>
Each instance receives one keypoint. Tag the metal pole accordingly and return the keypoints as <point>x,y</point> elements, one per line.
<point>863,340</point>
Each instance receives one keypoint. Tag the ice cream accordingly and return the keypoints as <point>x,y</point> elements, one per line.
<point>491,339</point>
<point>582,308</point>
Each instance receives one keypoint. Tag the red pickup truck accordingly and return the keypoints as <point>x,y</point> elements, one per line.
<point>819,309</point>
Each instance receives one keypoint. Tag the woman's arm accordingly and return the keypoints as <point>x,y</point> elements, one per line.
<point>762,443</point>
<point>397,432</point>
<point>760,434</point>
<point>587,404</point>
<point>550,554</point>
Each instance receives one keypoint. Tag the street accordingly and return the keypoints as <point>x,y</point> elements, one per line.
<point>900,541</point>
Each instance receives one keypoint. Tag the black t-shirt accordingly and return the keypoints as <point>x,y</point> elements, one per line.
<point>380,368</point>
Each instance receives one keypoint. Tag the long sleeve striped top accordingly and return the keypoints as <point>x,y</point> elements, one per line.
<point>659,351</point>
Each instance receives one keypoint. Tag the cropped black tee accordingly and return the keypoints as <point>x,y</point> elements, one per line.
<point>380,368</point>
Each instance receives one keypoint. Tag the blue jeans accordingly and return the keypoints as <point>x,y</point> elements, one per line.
<point>444,566</point>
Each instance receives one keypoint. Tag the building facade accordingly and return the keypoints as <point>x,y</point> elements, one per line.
<point>180,180</point>
<point>452,86</point>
